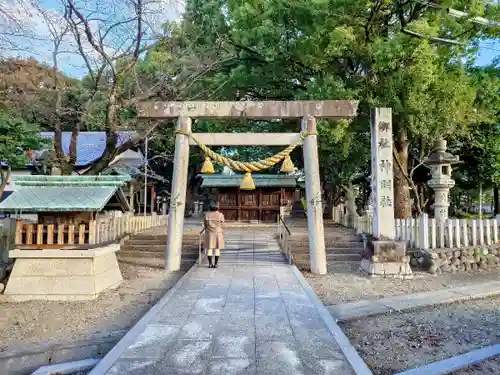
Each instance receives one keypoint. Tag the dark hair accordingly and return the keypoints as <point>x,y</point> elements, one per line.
<point>213,207</point>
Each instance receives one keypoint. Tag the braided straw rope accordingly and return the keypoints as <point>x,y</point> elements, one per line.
<point>254,166</point>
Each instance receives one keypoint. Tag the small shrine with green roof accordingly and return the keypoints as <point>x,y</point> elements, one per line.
<point>67,199</point>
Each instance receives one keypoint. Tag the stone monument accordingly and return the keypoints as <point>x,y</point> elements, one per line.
<point>441,182</point>
<point>385,257</point>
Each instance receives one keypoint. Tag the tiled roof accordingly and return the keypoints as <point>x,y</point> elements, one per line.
<point>70,181</point>
<point>260,180</point>
<point>90,145</point>
<point>58,199</point>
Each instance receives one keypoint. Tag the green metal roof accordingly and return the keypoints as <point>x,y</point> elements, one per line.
<point>58,199</point>
<point>260,180</point>
<point>70,181</point>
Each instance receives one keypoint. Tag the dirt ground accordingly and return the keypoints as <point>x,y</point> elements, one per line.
<point>427,335</point>
<point>346,283</point>
<point>489,367</point>
<point>116,309</point>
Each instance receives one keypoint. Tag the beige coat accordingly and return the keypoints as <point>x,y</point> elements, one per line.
<point>214,237</point>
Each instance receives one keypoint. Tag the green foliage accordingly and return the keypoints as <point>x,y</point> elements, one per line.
<point>16,138</point>
<point>337,49</point>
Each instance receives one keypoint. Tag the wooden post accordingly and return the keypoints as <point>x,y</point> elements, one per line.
<point>433,234</point>
<point>92,230</point>
<point>39,234</point>
<point>81,234</point>
<point>19,232</point>
<point>29,234</point>
<point>71,234</point>
<point>474,232</point>
<point>424,232</point>
<point>481,232</point>
<point>465,231</point>
<point>50,234</point>
<point>456,224</point>
<point>449,227</point>
<point>487,232</point>
<point>60,234</point>
<point>495,223</point>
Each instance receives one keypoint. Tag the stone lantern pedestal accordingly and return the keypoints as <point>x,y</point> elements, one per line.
<point>441,182</point>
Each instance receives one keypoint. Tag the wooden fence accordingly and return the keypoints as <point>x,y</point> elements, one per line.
<point>425,233</point>
<point>94,232</point>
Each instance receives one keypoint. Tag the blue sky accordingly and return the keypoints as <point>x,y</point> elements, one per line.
<point>71,64</point>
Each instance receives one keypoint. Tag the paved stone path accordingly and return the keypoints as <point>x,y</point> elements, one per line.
<point>252,315</point>
<point>358,309</point>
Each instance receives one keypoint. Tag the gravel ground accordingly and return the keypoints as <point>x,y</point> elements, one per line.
<point>489,367</point>
<point>346,283</point>
<point>119,308</point>
<point>427,335</point>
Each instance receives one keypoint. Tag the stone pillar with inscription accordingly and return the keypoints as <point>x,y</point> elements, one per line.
<point>382,174</point>
<point>385,257</point>
<point>315,227</point>
<point>175,230</point>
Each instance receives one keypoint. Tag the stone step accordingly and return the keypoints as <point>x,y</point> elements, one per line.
<point>155,262</point>
<point>331,250</point>
<point>151,254</point>
<point>304,258</point>
<point>158,242</point>
<point>332,245</point>
<point>155,248</point>
<point>343,257</point>
<point>329,239</point>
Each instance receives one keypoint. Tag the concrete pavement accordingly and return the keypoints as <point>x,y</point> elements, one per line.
<point>252,315</point>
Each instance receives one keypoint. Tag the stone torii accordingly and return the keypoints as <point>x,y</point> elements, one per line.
<point>307,111</point>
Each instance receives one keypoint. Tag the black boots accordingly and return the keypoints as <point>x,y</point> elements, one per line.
<point>214,265</point>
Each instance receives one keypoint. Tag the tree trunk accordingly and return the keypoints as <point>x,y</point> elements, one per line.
<point>402,201</point>
<point>4,175</point>
<point>496,199</point>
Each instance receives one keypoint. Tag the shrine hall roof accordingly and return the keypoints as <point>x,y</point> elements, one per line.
<point>260,180</point>
<point>61,193</point>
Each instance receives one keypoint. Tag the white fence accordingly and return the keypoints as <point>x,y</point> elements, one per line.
<point>425,233</point>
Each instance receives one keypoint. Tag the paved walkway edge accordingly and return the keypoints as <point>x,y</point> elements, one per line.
<point>109,359</point>
<point>455,363</point>
<point>359,309</point>
<point>354,359</point>
<point>68,367</point>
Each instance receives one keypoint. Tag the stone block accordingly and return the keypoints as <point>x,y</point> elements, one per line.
<point>187,357</point>
<point>200,327</point>
<point>29,267</point>
<point>231,366</point>
<point>388,250</point>
<point>278,358</point>
<point>133,367</point>
<point>153,342</point>
<point>48,275</point>
<point>234,346</point>
<point>104,263</point>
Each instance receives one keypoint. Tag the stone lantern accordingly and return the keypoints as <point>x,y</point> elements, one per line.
<point>441,182</point>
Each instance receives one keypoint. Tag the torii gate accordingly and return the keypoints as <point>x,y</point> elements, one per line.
<point>307,111</point>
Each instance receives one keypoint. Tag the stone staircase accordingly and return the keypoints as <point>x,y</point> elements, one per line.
<point>147,248</point>
<point>342,244</point>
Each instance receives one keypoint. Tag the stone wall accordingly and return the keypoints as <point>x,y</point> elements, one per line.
<point>464,259</point>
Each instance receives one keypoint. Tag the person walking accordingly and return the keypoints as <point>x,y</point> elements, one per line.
<point>214,236</point>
